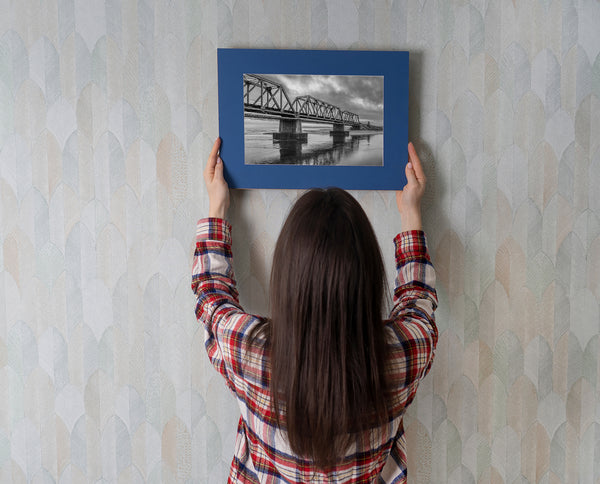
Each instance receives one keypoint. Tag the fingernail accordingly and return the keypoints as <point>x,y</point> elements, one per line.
<point>409,164</point>
<point>219,160</point>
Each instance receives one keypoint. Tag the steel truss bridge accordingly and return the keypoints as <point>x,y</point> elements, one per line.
<point>264,98</point>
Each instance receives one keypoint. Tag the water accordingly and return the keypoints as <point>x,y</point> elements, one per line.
<point>360,148</point>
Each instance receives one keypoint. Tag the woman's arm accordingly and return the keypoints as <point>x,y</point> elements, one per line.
<point>415,299</point>
<point>213,280</point>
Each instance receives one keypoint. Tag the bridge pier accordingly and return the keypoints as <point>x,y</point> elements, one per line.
<point>290,129</point>
<point>338,133</point>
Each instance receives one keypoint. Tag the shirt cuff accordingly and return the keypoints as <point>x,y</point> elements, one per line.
<point>214,229</point>
<point>411,245</point>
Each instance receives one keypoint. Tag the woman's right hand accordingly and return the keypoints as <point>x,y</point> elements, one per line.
<point>218,190</point>
<point>409,198</point>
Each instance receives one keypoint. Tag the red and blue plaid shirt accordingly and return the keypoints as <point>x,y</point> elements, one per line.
<point>262,453</point>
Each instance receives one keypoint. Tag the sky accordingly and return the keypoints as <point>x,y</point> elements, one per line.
<point>362,95</point>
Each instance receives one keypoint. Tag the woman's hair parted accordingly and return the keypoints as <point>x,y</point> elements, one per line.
<point>326,333</point>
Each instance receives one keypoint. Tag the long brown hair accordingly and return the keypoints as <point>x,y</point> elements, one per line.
<point>326,334</point>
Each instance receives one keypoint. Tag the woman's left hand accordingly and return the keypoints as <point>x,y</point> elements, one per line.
<point>218,190</point>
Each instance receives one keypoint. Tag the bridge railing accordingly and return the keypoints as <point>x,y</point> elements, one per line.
<point>261,95</point>
<point>311,106</point>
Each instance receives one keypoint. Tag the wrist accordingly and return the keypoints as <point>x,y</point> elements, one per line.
<point>411,221</point>
<point>217,212</point>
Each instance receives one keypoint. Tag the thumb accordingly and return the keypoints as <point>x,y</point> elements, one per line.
<point>219,168</point>
<point>411,177</point>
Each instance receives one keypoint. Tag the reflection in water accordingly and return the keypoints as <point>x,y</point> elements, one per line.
<point>320,145</point>
<point>291,152</point>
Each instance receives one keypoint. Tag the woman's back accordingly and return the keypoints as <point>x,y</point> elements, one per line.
<point>322,385</point>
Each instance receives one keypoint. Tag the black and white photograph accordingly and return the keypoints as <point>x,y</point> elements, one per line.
<point>315,120</point>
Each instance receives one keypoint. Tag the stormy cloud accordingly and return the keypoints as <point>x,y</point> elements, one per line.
<point>362,95</point>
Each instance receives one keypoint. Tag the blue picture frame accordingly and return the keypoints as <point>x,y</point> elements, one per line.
<point>391,65</point>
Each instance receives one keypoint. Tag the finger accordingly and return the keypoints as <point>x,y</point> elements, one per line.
<point>411,177</point>
<point>219,168</point>
<point>215,149</point>
<point>416,162</point>
<point>212,160</point>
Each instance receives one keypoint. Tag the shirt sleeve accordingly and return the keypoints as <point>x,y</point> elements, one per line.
<point>218,308</point>
<point>412,323</point>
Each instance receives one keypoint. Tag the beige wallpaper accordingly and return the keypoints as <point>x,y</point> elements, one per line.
<point>107,113</point>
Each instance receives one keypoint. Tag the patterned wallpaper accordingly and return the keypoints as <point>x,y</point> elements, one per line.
<point>107,113</point>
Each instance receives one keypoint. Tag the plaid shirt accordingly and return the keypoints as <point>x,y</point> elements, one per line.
<point>262,453</point>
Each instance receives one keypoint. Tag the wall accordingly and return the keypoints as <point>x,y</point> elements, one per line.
<point>108,111</point>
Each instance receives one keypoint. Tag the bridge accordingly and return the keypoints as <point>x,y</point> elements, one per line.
<point>264,98</point>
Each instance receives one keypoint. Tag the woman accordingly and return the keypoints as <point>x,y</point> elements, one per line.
<point>323,383</point>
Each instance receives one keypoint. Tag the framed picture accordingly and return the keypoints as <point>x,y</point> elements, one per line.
<point>313,118</point>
